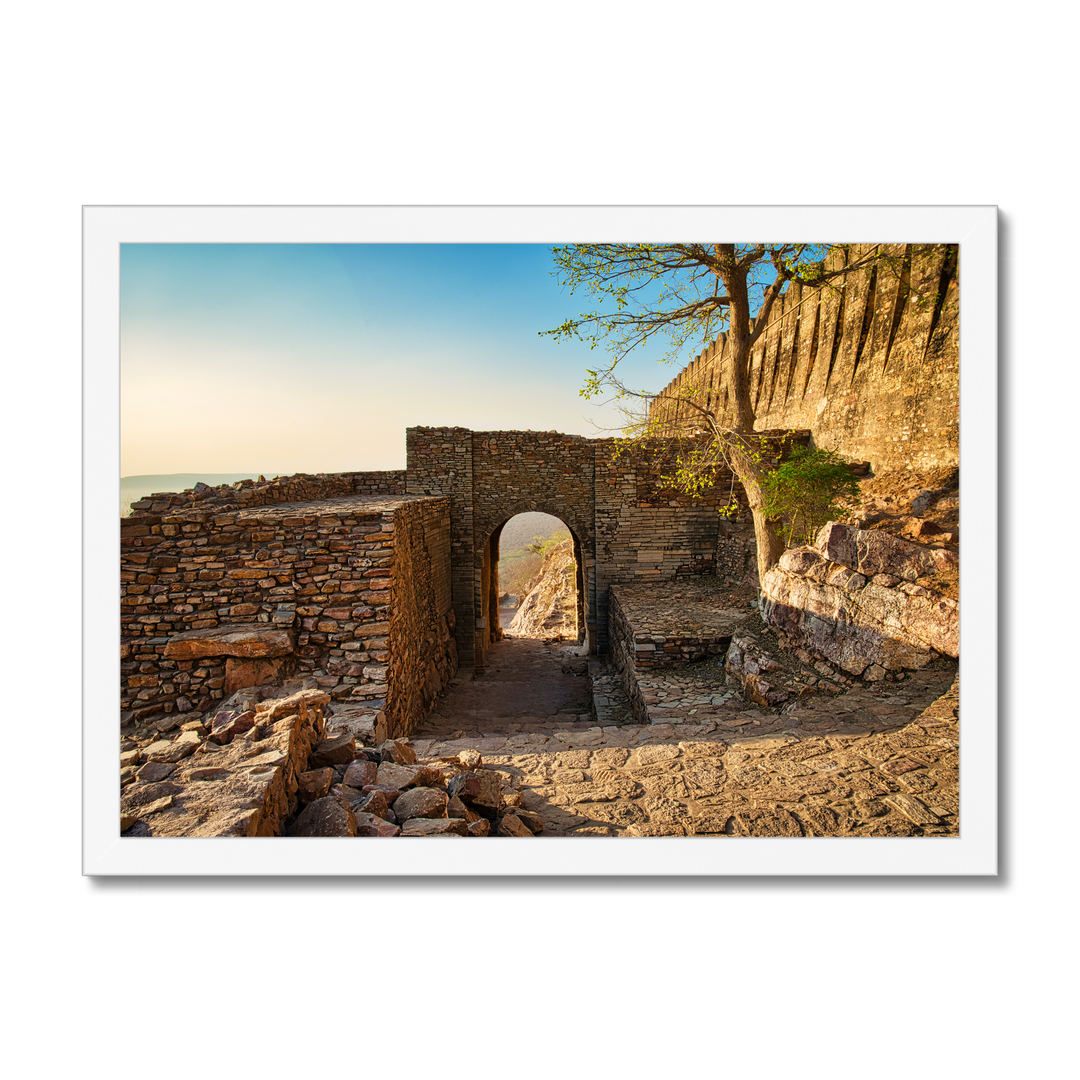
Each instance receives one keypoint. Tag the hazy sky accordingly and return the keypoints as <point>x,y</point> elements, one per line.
<point>282,358</point>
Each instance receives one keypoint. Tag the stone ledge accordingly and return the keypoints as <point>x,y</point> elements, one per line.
<point>248,641</point>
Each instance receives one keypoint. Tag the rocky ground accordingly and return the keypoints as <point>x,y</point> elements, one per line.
<point>533,747</point>
<point>877,760</point>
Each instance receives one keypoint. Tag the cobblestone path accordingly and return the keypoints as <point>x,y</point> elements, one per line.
<point>879,760</point>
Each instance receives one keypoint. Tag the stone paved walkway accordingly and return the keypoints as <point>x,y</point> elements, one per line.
<point>879,760</point>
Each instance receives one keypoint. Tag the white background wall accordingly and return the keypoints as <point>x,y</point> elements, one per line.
<point>329,103</point>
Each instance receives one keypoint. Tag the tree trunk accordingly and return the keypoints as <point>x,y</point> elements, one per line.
<point>769,545</point>
<point>767,533</point>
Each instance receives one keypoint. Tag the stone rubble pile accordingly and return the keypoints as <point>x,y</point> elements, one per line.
<point>237,776</point>
<point>387,792</point>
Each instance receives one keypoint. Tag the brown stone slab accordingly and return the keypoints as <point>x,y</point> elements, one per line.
<point>245,641</point>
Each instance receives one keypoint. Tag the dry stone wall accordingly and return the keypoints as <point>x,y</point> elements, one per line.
<point>358,585</point>
<point>870,369</point>
<point>300,487</point>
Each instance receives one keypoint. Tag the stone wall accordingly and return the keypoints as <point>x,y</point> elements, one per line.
<point>422,651</point>
<point>625,526</point>
<point>657,627</point>
<point>870,370</point>
<point>359,583</point>
<point>300,487</point>
<point>646,532</point>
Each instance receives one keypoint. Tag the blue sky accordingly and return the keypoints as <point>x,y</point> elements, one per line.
<point>315,358</point>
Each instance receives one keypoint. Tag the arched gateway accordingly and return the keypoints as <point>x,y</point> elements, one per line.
<point>625,526</point>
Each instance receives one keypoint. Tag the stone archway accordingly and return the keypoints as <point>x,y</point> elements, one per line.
<point>489,579</point>
<point>626,525</point>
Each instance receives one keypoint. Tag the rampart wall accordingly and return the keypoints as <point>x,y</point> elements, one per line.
<point>868,367</point>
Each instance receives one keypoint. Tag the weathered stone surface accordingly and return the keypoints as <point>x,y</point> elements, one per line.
<point>512,825</point>
<point>360,773</point>
<point>376,803</point>
<point>338,750</point>
<point>420,802</point>
<point>398,751</point>
<point>915,810</point>
<point>874,625</point>
<point>870,552</point>
<point>314,784</point>
<point>227,724</point>
<point>242,672</point>
<point>240,640</point>
<point>478,788</point>
<point>390,775</point>
<point>531,820</point>
<point>773,822</point>
<point>299,703</point>
<point>325,817</point>
<point>154,771</point>
<point>373,825</point>
<point>435,827</point>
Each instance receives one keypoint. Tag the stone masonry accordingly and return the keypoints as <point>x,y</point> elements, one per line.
<point>869,368</point>
<point>357,586</point>
<point>625,525</point>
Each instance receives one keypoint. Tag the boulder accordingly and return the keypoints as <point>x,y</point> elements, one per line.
<point>373,825</point>
<point>420,802</point>
<point>398,751</point>
<point>314,784</point>
<point>435,827</point>
<point>325,817</point>
<point>512,825</point>
<point>227,724</point>
<point>390,775</point>
<point>338,750</point>
<point>360,773</point>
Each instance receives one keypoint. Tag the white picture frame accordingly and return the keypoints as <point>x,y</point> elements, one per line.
<point>973,853</point>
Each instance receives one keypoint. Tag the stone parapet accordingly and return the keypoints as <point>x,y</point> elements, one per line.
<point>300,487</point>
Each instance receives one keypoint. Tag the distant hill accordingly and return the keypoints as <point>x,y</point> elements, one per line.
<point>133,488</point>
<point>520,530</point>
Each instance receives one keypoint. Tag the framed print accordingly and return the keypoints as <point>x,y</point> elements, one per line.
<point>417,542</point>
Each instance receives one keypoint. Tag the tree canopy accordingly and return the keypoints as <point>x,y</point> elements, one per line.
<point>686,294</point>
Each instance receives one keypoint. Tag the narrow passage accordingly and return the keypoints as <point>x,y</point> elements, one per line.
<point>528,686</point>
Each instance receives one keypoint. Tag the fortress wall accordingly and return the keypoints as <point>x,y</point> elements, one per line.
<point>869,369</point>
<point>440,462</point>
<point>359,582</point>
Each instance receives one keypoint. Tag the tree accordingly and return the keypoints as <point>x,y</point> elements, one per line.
<point>807,490</point>
<point>691,293</point>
